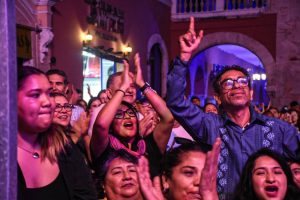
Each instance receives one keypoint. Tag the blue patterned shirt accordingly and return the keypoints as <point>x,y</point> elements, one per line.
<point>237,143</point>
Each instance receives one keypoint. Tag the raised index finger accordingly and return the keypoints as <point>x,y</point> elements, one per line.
<point>192,24</point>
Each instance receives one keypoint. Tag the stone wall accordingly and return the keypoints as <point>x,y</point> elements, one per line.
<point>286,72</point>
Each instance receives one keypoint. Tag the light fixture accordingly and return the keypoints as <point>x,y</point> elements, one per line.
<point>256,77</point>
<point>87,38</point>
<point>126,50</point>
<point>88,54</point>
<point>263,76</point>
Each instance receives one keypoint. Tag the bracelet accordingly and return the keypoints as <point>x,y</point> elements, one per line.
<point>148,89</point>
<point>144,87</point>
<point>120,91</point>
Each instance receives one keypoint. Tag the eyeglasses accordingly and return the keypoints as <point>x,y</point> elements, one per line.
<point>228,84</point>
<point>66,106</point>
<point>121,114</point>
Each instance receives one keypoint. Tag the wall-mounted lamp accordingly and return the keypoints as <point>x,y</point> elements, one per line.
<point>87,38</point>
<point>126,50</point>
<point>259,77</point>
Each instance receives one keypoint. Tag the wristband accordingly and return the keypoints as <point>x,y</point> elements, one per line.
<point>143,88</point>
<point>121,91</point>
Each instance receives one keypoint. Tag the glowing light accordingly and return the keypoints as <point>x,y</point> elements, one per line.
<point>88,54</point>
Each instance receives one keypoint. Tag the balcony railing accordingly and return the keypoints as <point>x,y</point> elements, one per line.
<point>182,9</point>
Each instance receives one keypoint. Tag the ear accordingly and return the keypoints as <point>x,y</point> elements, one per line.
<point>109,93</point>
<point>165,183</point>
<point>251,94</point>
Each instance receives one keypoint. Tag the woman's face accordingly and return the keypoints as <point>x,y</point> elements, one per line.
<point>35,104</point>
<point>268,178</point>
<point>62,111</point>
<point>295,167</point>
<point>125,123</point>
<point>82,104</point>
<point>121,180</point>
<point>185,178</point>
<point>96,103</point>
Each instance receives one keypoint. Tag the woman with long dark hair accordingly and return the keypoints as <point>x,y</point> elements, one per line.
<point>116,126</point>
<point>267,175</point>
<point>47,159</point>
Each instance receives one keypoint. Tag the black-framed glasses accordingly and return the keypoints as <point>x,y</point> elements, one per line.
<point>66,106</point>
<point>228,84</point>
<point>121,113</point>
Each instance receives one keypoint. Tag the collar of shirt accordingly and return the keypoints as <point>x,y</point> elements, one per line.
<point>254,117</point>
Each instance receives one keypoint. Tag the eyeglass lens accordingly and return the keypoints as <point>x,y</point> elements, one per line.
<point>67,107</point>
<point>121,113</point>
<point>229,83</point>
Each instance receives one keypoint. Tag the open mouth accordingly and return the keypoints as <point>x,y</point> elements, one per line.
<point>194,196</point>
<point>128,124</point>
<point>237,94</point>
<point>63,117</point>
<point>271,191</point>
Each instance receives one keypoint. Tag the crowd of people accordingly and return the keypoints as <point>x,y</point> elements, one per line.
<point>118,147</point>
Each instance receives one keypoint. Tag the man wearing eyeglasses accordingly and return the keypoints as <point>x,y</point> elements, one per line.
<point>242,130</point>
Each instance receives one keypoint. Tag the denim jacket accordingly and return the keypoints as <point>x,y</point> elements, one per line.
<point>237,143</point>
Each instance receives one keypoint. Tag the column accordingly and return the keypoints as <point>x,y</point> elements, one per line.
<point>8,105</point>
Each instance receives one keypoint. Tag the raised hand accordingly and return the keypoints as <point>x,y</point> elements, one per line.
<point>151,190</point>
<point>126,77</point>
<point>147,125</point>
<point>71,94</point>
<point>81,125</point>
<point>139,81</point>
<point>189,41</point>
<point>208,182</point>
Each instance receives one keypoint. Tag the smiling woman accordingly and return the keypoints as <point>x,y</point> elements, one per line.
<point>117,125</point>
<point>119,176</point>
<point>267,176</point>
<point>46,157</point>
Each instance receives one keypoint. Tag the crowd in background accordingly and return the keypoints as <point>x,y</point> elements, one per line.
<point>118,147</point>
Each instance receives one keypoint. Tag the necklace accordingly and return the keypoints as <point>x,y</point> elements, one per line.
<point>34,154</point>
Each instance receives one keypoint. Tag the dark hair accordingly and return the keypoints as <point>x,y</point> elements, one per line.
<point>142,100</point>
<point>122,154</point>
<point>195,97</point>
<point>26,71</point>
<point>284,110</point>
<point>58,94</point>
<point>58,72</point>
<point>101,92</point>
<point>81,100</point>
<point>216,81</point>
<point>245,189</point>
<point>175,156</point>
<point>79,91</point>
<point>111,78</point>
<point>210,103</point>
<point>294,103</point>
<point>89,104</point>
